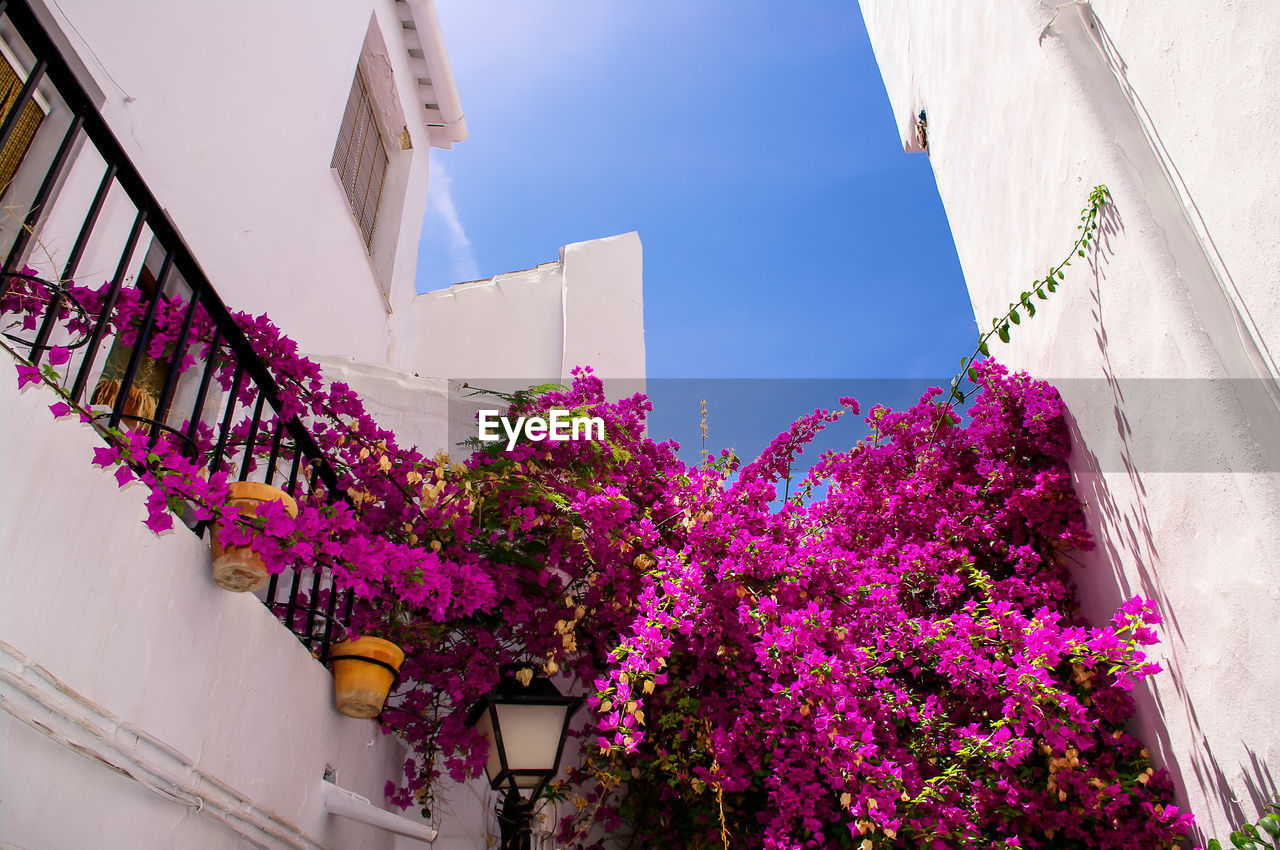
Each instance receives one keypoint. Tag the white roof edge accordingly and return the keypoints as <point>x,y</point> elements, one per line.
<point>427,25</point>
<point>503,277</point>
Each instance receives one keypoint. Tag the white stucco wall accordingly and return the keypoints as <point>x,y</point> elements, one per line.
<point>586,309</point>
<point>1170,105</point>
<point>231,117</point>
<point>105,626</point>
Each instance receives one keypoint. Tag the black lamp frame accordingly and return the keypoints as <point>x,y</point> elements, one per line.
<point>516,814</point>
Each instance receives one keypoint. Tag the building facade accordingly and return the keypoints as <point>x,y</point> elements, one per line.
<point>1162,340</point>
<point>266,159</point>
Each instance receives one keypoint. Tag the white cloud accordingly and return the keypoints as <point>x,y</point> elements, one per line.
<point>462,257</point>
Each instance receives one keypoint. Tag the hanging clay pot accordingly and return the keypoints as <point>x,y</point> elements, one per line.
<point>239,568</point>
<point>364,670</point>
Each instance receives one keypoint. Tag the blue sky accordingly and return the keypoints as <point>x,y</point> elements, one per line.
<point>786,234</point>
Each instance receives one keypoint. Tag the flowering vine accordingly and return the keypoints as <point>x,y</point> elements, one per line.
<point>896,663</point>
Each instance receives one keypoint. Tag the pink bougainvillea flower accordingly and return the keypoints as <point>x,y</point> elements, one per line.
<point>106,455</point>
<point>27,374</point>
<point>158,521</point>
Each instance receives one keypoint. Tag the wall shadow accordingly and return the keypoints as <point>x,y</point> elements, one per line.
<point>1116,509</point>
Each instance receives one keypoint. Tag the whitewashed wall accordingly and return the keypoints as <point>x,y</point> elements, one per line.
<point>1172,105</point>
<point>586,309</point>
<point>117,640</point>
<point>505,334</point>
<point>231,115</point>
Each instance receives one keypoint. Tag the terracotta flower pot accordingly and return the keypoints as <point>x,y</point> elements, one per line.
<point>364,670</point>
<point>239,568</point>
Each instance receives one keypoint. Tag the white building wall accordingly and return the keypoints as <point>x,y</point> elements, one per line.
<point>586,309</point>
<point>215,724</point>
<point>1171,106</point>
<point>231,115</point>
<point>505,334</point>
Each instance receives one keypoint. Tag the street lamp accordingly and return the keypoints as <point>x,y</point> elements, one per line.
<point>525,721</point>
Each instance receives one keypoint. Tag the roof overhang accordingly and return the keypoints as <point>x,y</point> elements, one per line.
<point>433,78</point>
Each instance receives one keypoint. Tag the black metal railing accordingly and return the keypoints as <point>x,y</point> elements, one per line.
<point>207,404</point>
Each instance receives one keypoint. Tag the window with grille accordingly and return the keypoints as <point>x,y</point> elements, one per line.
<point>360,158</point>
<point>28,122</point>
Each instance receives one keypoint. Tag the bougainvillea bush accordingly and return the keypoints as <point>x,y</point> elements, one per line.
<point>896,663</point>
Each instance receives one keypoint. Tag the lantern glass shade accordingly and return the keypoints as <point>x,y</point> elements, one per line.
<point>524,724</point>
<point>531,736</point>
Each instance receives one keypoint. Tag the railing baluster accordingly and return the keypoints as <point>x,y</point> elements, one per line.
<point>73,262</point>
<point>330,607</point>
<point>291,486</point>
<point>272,584</point>
<point>175,367</point>
<point>291,608</point>
<point>312,602</point>
<point>109,304</point>
<point>275,449</point>
<point>90,221</point>
<point>216,462</point>
<point>23,239</point>
<point>210,366</point>
<point>351,603</point>
<point>250,441</point>
<point>140,344</point>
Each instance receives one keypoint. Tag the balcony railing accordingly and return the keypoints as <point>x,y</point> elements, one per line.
<point>226,407</point>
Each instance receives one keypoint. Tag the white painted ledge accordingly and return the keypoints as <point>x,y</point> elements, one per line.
<point>348,804</point>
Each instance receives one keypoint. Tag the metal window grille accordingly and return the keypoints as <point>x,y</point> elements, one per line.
<point>28,122</point>
<point>360,158</point>
<point>245,423</point>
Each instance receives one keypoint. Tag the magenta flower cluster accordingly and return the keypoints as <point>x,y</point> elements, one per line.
<point>897,663</point>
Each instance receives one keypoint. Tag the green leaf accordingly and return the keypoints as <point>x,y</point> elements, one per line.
<point>1080,252</point>
<point>1051,286</point>
<point>1040,294</point>
<point>1003,333</point>
<point>1014,317</point>
<point>1061,276</point>
<point>982,346</point>
<point>973,374</point>
<point>1271,824</point>
<point>957,395</point>
<point>1214,844</point>
<point>1031,309</point>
